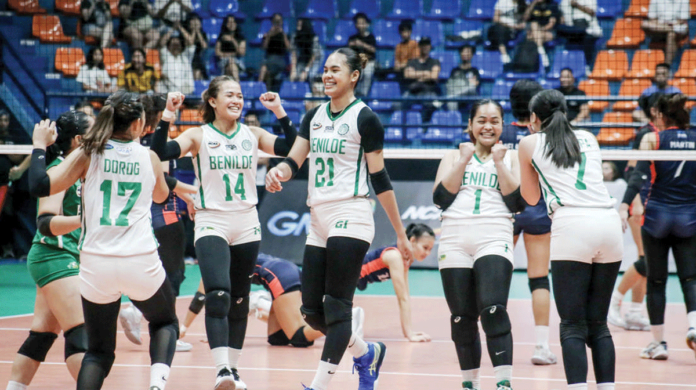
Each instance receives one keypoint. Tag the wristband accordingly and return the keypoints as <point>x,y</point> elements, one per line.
<point>168,116</point>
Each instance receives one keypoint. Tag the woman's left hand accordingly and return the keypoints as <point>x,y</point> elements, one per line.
<point>270,100</point>
<point>498,151</point>
<point>45,134</point>
<point>623,213</point>
<point>404,246</point>
<point>419,337</point>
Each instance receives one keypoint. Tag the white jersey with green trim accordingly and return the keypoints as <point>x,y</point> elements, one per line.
<point>579,186</point>
<point>479,195</point>
<point>337,166</point>
<point>226,169</point>
<point>116,200</point>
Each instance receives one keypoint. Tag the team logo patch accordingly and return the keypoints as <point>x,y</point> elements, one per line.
<point>124,150</point>
<point>108,147</point>
<point>73,265</point>
<point>213,144</point>
<point>442,257</point>
<point>316,126</point>
<point>231,147</point>
<point>343,129</point>
<point>246,145</point>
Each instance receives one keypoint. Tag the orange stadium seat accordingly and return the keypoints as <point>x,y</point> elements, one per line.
<point>688,88</point>
<point>114,62</point>
<point>687,66</point>
<point>627,34</point>
<point>693,9</point>
<point>153,58</point>
<point>638,9</point>
<point>610,65</point>
<point>48,29</point>
<point>592,88</point>
<point>631,88</point>
<point>69,60</point>
<point>644,62</point>
<point>616,135</point>
<point>189,115</point>
<point>68,7</point>
<point>26,7</point>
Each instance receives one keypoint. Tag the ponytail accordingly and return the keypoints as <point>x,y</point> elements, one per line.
<point>101,131</point>
<point>418,230</point>
<point>562,145</point>
<point>120,111</point>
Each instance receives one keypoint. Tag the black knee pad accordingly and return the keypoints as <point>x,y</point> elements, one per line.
<point>495,321</point>
<point>464,330</point>
<point>75,341</point>
<point>314,318</point>
<point>239,308</point>
<point>36,346</point>
<point>658,286</point>
<point>197,303</point>
<point>299,340</point>
<point>337,310</point>
<point>278,339</point>
<point>573,330</point>
<point>217,303</point>
<point>539,283</point>
<point>596,330</point>
<point>641,266</point>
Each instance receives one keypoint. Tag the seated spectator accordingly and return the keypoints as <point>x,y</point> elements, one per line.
<point>86,107</point>
<point>579,25</point>
<point>171,14</point>
<point>95,16</point>
<point>192,32</point>
<point>364,42</point>
<point>230,48</point>
<point>138,76</point>
<point>508,21</point>
<point>464,80</point>
<point>307,55</point>
<point>251,119</point>
<point>543,16</point>
<point>421,76</point>
<point>406,50</point>
<point>276,44</point>
<point>93,75</point>
<point>659,85</point>
<point>317,91</point>
<point>668,21</point>
<point>577,111</point>
<point>13,166</point>
<point>177,71</point>
<point>137,23</point>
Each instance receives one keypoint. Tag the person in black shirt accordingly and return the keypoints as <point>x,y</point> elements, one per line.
<point>542,16</point>
<point>276,44</point>
<point>192,31</point>
<point>230,48</point>
<point>364,42</point>
<point>578,111</point>
<point>464,79</point>
<point>421,76</point>
<point>136,24</point>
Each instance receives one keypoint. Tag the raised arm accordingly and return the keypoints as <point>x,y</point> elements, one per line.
<point>271,143</point>
<point>186,142</point>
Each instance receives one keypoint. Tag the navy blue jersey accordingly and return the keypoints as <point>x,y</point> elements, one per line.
<point>513,134</point>
<point>374,270</point>
<point>168,213</point>
<point>650,127</point>
<point>276,275</point>
<point>674,182</point>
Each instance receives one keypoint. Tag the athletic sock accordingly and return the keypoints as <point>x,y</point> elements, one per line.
<point>233,356</point>
<point>472,376</point>
<point>12,385</point>
<point>324,375</point>
<point>502,373</point>
<point>357,346</point>
<point>264,305</point>
<point>692,319</point>
<point>578,386</point>
<point>605,386</point>
<point>658,332</point>
<point>221,358</point>
<point>636,307</point>
<point>159,373</point>
<point>542,335</point>
<point>616,298</point>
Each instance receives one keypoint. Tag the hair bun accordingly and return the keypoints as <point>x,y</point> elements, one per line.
<point>363,60</point>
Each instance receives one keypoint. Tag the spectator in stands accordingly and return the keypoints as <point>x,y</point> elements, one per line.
<point>317,91</point>
<point>137,23</point>
<point>543,16</point>
<point>364,42</point>
<point>508,21</point>
<point>659,85</point>
<point>177,69</point>
<point>230,48</point>
<point>464,80</point>
<point>276,44</point>
<point>578,111</point>
<point>421,76</point>
<point>86,107</point>
<point>95,16</point>
<point>192,32</point>
<point>579,25</point>
<point>668,21</point>
<point>93,75</point>
<point>138,76</point>
<point>251,119</point>
<point>171,13</point>
<point>406,50</point>
<point>307,54</point>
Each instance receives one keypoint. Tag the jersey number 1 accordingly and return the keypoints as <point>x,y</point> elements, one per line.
<point>319,180</point>
<point>122,187</point>
<point>238,188</point>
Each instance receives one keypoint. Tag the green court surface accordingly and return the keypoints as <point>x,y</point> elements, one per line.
<point>18,291</point>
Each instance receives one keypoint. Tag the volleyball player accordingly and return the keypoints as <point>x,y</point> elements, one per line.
<point>669,221</point>
<point>344,140</point>
<point>227,228</point>
<point>387,263</point>
<point>586,239</point>
<point>53,263</point>
<point>118,252</point>
<point>536,225</point>
<point>477,187</point>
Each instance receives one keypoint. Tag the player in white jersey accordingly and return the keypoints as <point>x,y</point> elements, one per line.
<point>343,139</point>
<point>586,238</point>
<point>118,251</point>
<point>477,186</point>
<point>227,228</point>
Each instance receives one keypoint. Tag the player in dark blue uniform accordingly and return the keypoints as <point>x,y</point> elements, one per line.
<point>535,223</point>
<point>669,220</point>
<point>386,263</point>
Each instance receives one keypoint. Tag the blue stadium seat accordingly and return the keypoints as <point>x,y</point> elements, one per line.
<point>406,9</point>
<point>283,7</point>
<point>464,25</point>
<point>550,83</point>
<point>294,116</point>
<point>222,8</point>
<point>70,85</point>
<point>263,28</point>
<point>293,94</point>
<point>368,7</point>
<point>199,10</point>
<point>319,27</point>
<point>482,9</point>
<point>321,9</point>
<point>448,135</point>
<point>199,86</point>
<point>488,63</point>
<point>608,9</point>
<point>343,30</point>
<point>428,28</point>
<point>386,33</point>
<point>445,10</point>
<point>514,76</point>
<point>383,90</point>
<point>448,61</point>
<point>573,59</point>
<point>251,91</point>
<point>211,28</point>
<point>501,92</point>
<point>395,134</point>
